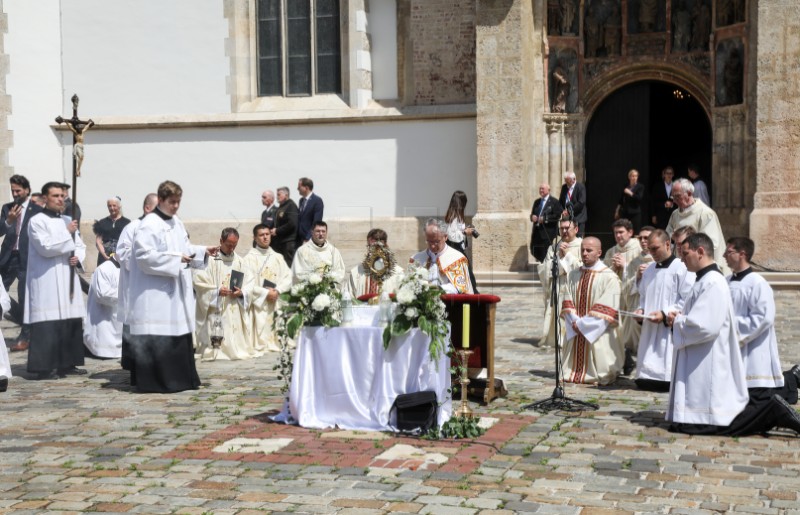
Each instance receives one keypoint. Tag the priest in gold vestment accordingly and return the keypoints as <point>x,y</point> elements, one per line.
<point>266,276</point>
<point>593,352</point>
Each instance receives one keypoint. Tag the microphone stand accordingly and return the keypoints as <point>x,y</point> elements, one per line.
<point>558,401</point>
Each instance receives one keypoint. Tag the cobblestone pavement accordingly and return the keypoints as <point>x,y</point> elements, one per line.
<point>90,444</point>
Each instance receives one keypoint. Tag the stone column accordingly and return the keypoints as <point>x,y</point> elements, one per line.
<point>359,83</point>
<point>775,221</point>
<point>509,93</point>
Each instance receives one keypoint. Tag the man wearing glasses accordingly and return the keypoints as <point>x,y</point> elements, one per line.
<point>569,259</point>
<point>698,215</point>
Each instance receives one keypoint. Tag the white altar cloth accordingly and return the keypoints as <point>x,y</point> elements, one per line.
<point>343,377</point>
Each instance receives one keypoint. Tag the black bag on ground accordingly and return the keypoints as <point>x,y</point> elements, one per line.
<point>416,412</point>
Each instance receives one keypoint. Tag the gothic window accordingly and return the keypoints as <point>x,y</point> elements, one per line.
<point>298,47</point>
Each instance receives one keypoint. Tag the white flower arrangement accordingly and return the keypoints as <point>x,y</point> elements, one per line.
<point>420,305</point>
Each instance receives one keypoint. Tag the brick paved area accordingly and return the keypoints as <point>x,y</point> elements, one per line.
<point>91,444</point>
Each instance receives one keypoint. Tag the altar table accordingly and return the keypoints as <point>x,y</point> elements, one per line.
<point>343,377</point>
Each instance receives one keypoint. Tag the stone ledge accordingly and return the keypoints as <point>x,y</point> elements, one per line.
<point>282,118</point>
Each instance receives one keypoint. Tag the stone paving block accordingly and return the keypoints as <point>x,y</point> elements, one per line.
<point>434,509</point>
<point>523,507</point>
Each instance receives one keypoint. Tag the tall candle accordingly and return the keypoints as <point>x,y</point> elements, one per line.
<point>465,328</point>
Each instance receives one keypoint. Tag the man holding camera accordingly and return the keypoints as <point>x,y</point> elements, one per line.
<point>14,218</point>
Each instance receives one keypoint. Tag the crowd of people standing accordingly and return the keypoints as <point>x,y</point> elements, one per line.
<point>681,299</point>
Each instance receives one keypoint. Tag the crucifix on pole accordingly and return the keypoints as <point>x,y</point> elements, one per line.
<point>79,128</point>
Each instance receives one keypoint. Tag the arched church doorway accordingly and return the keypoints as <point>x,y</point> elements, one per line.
<point>648,126</point>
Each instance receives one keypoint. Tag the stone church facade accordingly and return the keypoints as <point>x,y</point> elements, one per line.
<point>556,61</point>
<point>489,96</point>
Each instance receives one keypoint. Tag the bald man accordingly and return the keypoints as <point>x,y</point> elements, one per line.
<point>593,353</point>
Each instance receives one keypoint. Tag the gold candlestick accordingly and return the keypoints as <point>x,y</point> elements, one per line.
<point>464,410</point>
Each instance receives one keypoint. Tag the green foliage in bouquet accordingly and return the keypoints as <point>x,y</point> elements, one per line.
<point>419,305</point>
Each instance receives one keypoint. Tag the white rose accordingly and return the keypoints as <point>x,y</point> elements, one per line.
<point>410,312</point>
<point>421,273</point>
<point>321,302</point>
<point>296,289</point>
<point>314,278</point>
<point>405,295</point>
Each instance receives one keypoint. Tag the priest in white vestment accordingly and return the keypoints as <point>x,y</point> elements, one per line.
<point>123,257</point>
<point>162,305</point>
<point>361,282</point>
<point>693,212</point>
<point>447,267</point>
<point>592,352</point>
<point>754,306</point>
<point>102,330</point>
<point>266,276</point>
<point>708,394</point>
<point>569,259</point>
<point>5,364</point>
<point>620,259</point>
<point>664,287</point>
<point>222,305</point>
<point>56,317</point>
<point>316,254</point>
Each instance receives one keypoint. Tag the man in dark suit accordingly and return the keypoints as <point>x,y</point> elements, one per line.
<point>545,214</point>
<point>14,218</point>
<point>573,198</point>
<point>311,208</point>
<point>661,199</point>
<point>285,231</point>
<point>268,216</point>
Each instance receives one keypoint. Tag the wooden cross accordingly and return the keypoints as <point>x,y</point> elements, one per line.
<point>79,128</point>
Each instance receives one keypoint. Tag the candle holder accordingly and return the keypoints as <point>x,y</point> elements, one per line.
<point>464,410</point>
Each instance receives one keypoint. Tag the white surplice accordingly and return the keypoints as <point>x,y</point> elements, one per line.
<point>704,220</point>
<point>161,300</point>
<point>591,298</point>
<point>237,342</point>
<point>102,330</point>
<point>47,281</point>
<point>311,258</point>
<point>708,379</point>
<point>260,265</point>
<point>631,332</point>
<point>754,305</point>
<point>665,289</point>
<point>5,365</point>
<point>123,256</point>
<point>631,251</point>
<point>571,261</point>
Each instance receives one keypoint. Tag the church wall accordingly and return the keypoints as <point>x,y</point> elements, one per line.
<point>775,222</point>
<point>437,45</point>
<point>33,83</point>
<point>145,58</point>
<point>6,136</point>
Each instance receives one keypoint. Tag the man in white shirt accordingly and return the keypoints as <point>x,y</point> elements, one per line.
<point>162,304</point>
<point>54,312</point>
<point>754,305</point>
<point>663,288</point>
<point>707,353</point>
<point>316,254</point>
